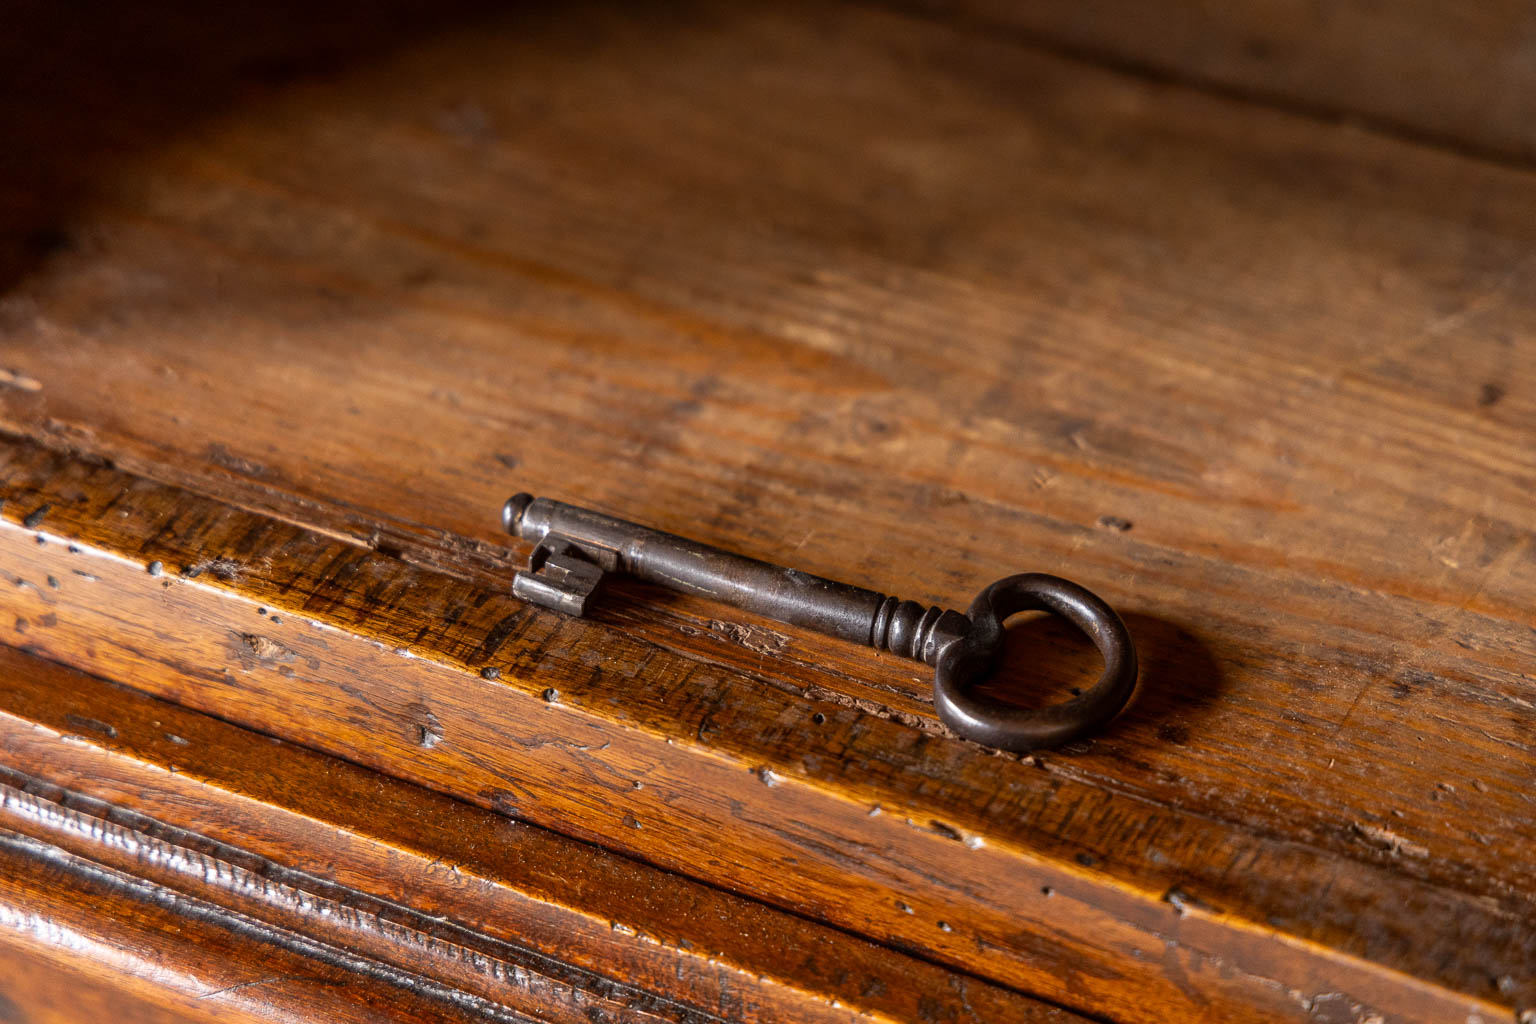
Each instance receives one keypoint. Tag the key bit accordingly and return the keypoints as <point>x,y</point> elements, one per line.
<point>576,548</point>
<point>560,576</point>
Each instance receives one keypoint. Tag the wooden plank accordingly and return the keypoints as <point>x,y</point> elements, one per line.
<point>111,790</point>
<point>968,310</point>
<point>984,862</point>
<point>1451,73</point>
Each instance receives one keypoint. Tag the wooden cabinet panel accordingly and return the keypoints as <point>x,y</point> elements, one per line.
<point>223,869</point>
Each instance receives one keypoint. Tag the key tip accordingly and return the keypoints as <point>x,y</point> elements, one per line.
<point>512,511</point>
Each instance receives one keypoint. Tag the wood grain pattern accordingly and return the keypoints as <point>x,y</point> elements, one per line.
<point>487,916</point>
<point>1461,74</point>
<point>928,842</point>
<point>906,304</point>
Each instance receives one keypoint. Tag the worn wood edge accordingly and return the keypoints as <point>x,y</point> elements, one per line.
<point>1111,904</point>
<point>182,799</point>
<point>805,665</point>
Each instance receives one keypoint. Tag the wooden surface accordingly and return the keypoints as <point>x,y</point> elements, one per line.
<point>637,734</point>
<point>1462,75</point>
<point>905,303</point>
<point>428,908</point>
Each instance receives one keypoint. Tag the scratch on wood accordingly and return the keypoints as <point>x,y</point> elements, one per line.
<point>1390,841</point>
<point>19,381</point>
<point>95,725</point>
<point>243,984</point>
<point>250,648</point>
<point>219,455</point>
<point>753,638</point>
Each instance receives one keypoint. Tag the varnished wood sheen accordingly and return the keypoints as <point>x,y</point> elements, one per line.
<point>897,300</point>
<point>461,907</point>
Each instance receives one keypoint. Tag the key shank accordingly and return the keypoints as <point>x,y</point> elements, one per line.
<point>567,533</point>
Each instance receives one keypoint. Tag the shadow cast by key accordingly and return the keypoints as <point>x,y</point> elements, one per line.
<point>1046,660</point>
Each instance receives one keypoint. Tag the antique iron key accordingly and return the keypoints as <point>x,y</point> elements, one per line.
<point>575,548</point>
